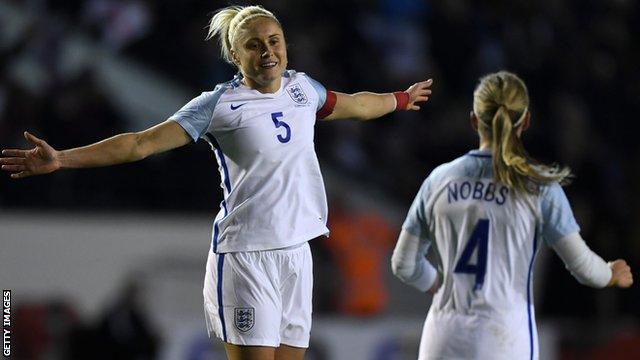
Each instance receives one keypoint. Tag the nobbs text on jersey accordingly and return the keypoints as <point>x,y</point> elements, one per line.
<point>477,190</point>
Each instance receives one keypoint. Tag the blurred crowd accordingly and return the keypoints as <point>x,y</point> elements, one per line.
<point>578,58</point>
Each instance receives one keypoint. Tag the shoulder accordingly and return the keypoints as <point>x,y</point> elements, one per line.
<point>462,166</point>
<point>211,98</point>
<point>456,168</point>
<point>292,76</point>
<point>229,86</point>
<point>552,192</point>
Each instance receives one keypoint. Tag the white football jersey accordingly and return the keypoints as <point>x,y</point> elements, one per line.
<point>273,190</point>
<point>485,236</point>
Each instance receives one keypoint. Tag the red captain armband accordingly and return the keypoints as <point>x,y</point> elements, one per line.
<point>402,100</point>
<point>328,106</point>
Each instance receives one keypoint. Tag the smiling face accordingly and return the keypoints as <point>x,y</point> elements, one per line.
<point>260,52</point>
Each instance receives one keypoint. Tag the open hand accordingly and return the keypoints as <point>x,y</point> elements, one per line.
<point>418,92</point>
<point>620,274</point>
<point>42,159</point>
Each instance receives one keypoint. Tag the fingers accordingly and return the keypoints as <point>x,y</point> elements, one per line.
<point>12,161</point>
<point>426,83</point>
<point>15,152</point>
<point>622,276</point>
<point>13,168</point>
<point>32,139</point>
<point>20,175</point>
<point>413,106</point>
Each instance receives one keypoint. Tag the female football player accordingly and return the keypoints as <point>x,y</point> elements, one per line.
<point>258,282</point>
<point>486,214</point>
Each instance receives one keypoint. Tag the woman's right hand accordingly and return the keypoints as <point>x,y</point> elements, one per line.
<point>42,159</point>
<point>620,274</point>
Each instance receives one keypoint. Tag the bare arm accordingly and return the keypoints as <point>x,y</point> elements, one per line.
<point>122,148</point>
<point>368,105</point>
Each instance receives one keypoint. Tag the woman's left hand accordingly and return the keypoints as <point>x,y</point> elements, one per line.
<point>418,92</point>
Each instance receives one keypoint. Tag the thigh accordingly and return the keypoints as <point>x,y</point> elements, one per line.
<point>241,352</point>
<point>286,352</point>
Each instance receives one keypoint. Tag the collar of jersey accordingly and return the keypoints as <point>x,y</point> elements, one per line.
<point>237,82</point>
<point>480,153</point>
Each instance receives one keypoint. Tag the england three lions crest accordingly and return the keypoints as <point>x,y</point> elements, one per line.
<point>244,318</point>
<point>296,93</point>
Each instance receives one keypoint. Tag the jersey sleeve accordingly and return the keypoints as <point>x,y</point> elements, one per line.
<point>320,90</point>
<point>197,114</point>
<point>417,219</point>
<point>557,217</point>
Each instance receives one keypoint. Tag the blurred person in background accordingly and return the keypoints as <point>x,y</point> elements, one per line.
<point>485,213</point>
<point>260,125</point>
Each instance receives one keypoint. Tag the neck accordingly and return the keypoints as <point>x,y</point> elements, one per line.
<point>268,88</point>
<point>484,145</point>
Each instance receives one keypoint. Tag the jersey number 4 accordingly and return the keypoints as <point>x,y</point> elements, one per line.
<point>279,123</point>
<point>479,239</point>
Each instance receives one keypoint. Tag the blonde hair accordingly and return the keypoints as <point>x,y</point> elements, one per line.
<point>501,102</point>
<point>227,23</point>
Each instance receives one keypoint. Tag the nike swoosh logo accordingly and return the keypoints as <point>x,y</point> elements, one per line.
<point>235,107</point>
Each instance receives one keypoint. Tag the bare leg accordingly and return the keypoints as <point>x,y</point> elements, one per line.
<point>241,352</point>
<point>286,352</point>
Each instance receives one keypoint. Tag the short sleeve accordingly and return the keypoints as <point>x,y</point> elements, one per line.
<point>557,217</point>
<point>321,90</point>
<point>416,222</point>
<point>197,114</point>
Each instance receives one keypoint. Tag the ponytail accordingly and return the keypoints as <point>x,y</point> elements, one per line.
<point>498,99</point>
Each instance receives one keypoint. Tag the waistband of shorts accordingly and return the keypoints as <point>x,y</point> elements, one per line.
<point>291,247</point>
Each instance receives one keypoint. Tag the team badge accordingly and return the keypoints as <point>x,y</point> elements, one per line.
<point>296,93</point>
<point>244,318</point>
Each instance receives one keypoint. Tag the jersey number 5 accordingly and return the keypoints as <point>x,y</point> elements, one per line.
<point>279,123</point>
<point>479,239</point>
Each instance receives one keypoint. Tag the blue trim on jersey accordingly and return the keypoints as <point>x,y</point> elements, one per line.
<point>479,153</point>
<point>480,156</point>
<point>535,248</point>
<point>220,307</point>
<point>223,162</point>
<point>216,228</point>
<point>227,183</point>
<point>236,81</point>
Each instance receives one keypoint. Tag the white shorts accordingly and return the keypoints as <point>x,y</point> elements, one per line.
<point>260,298</point>
<point>459,336</point>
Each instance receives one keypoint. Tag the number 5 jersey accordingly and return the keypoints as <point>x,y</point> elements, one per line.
<point>274,194</point>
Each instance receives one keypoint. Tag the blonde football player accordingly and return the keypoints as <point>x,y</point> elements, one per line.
<point>486,214</point>
<point>258,282</point>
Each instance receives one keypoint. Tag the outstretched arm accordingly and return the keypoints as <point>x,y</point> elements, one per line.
<point>589,268</point>
<point>368,105</point>
<point>122,148</point>
<point>410,265</point>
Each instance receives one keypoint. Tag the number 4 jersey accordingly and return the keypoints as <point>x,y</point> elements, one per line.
<point>485,237</point>
<point>274,195</point>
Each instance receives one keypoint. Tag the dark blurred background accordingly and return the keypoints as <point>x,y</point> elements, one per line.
<point>74,72</point>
